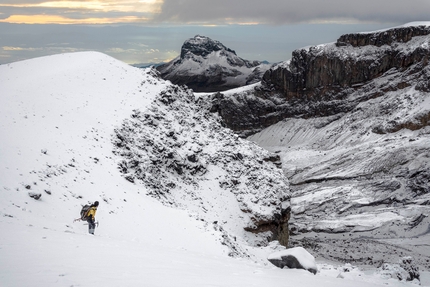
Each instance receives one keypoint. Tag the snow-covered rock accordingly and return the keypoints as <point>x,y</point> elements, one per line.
<point>296,257</point>
<point>404,270</point>
<point>180,152</point>
<point>206,65</point>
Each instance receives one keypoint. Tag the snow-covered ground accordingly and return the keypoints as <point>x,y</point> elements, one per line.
<point>57,120</point>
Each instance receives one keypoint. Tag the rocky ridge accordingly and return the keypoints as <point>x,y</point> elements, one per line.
<point>184,157</point>
<point>206,65</point>
<point>322,73</point>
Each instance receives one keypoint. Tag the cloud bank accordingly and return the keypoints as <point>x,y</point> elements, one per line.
<point>293,11</point>
<point>213,12</point>
<point>120,27</point>
<point>78,11</point>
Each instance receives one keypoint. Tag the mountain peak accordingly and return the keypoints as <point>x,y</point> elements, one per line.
<point>202,46</point>
<point>206,65</point>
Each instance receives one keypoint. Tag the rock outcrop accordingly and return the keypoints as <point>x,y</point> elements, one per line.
<point>206,65</point>
<point>182,154</point>
<point>404,270</point>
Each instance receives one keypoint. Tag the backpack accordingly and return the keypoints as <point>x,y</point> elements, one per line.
<point>84,211</point>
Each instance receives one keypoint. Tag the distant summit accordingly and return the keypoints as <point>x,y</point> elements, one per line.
<point>202,46</point>
<point>206,65</point>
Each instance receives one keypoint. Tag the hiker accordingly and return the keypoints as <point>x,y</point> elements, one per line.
<point>91,216</point>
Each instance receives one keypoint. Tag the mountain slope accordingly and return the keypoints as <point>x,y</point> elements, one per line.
<point>60,120</point>
<point>77,127</point>
<point>206,65</point>
<point>354,143</point>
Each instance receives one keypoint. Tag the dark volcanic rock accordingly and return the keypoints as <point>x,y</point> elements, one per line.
<point>246,113</point>
<point>294,258</point>
<point>322,72</point>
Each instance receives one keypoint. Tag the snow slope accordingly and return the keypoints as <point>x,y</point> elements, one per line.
<point>58,115</point>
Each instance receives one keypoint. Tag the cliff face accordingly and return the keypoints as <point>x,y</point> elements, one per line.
<point>323,72</point>
<point>334,78</point>
<point>387,37</point>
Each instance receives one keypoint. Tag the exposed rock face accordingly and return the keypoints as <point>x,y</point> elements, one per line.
<point>206,65</point>
<point>323,72</point>
<point>246,113</point>
<point>330,79</point>
<point>277,226</point>
<point>388,37</point>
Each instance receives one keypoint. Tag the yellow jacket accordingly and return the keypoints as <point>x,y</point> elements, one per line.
<point>92,212</point>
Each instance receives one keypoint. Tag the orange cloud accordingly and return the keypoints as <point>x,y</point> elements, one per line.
<point>145,6</point>
<point>99,7</point>
<point>55,19</point>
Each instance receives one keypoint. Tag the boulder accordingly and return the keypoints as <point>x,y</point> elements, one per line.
<point>405,270</point>
<point>35,195</point>
<point>294,258</point>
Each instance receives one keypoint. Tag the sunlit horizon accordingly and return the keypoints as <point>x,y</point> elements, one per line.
<point>56,19</point>
<point>83,12</point>
<point>147,31</point>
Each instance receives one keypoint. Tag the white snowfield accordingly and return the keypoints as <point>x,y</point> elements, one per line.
<point>57,118</point>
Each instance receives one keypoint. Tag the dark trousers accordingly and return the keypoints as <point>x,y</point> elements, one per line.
<point>91,225</point>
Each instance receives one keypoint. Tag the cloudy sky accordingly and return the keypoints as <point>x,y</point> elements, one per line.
<point>144,31</point>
